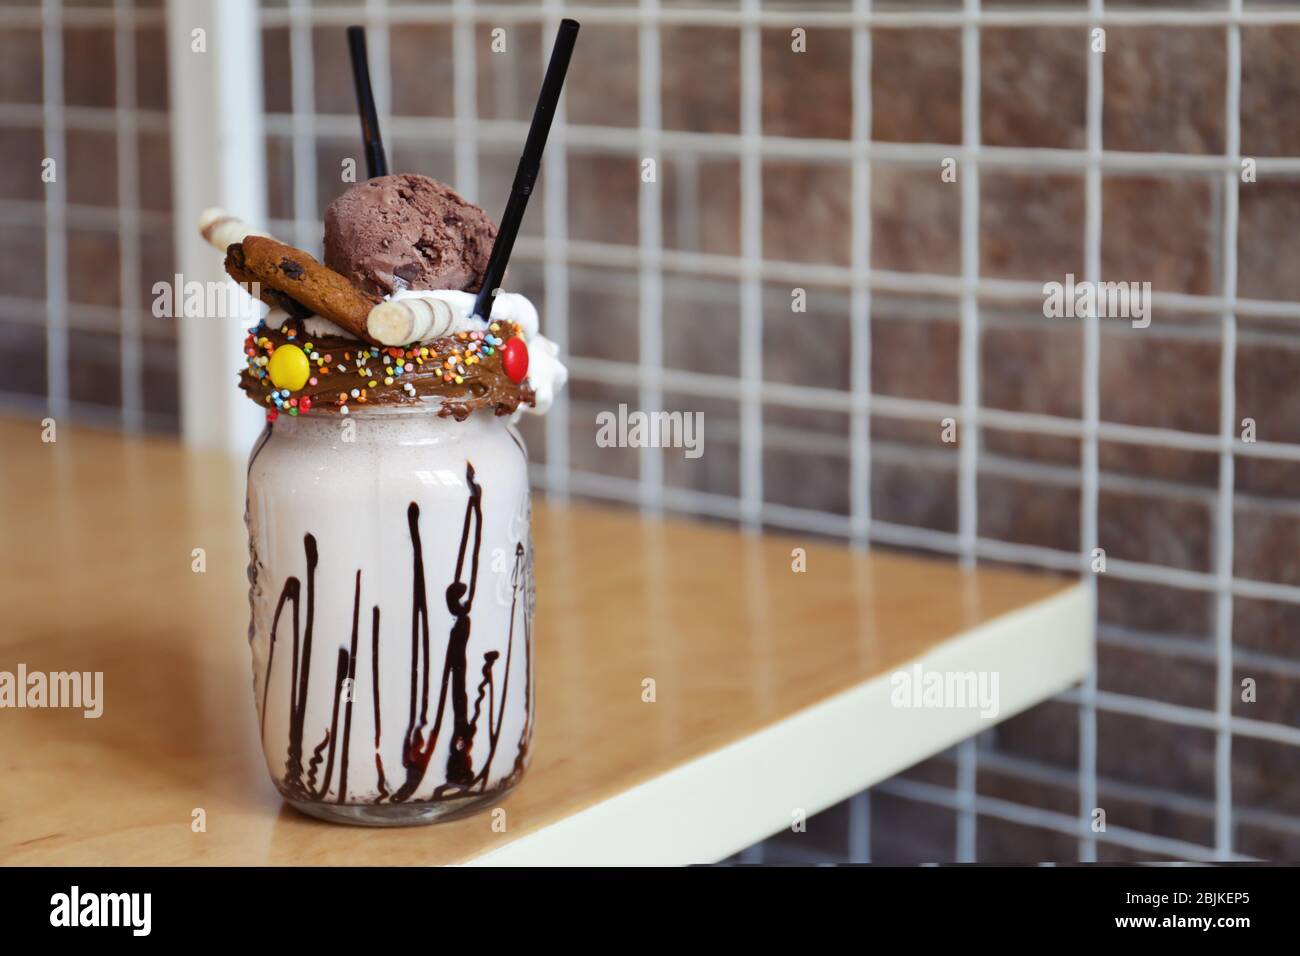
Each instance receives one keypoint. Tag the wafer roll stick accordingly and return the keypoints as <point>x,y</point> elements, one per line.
<point>410,320</point>
<point>300,277</point>
<point>223,230</point>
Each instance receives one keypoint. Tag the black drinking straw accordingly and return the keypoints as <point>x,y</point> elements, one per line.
<point>529,164</point>
<point>376,162</point>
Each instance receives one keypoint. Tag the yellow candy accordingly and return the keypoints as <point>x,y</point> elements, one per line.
<point>289,368</point>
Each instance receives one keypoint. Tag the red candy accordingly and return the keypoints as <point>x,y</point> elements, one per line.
<point>514,359</point>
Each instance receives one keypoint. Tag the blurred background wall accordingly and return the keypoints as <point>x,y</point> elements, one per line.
<point>778,171</point>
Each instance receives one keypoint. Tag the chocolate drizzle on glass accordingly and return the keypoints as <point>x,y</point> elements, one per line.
<point>351,685</point>
<point>460,601</point>
<point>418,749</point>
<point>495,725</point>
<point>301,663</point>
<point>379,725</point>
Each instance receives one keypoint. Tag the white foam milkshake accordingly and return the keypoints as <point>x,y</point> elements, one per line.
<point>392,595</point>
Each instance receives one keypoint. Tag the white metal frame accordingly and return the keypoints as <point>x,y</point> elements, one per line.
<point>968,380</point>
<point>860,445</point>
<point>1089,537</point>
<point>237,170</point>
<point>217,160</point>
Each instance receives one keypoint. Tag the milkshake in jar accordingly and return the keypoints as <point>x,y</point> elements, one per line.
<point>390,559</point>
<point>392,596</point>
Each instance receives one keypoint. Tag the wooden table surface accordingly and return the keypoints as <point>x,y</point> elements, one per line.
<point>98,534</point>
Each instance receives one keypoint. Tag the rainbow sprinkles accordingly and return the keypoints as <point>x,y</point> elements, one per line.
<point>294,374</point>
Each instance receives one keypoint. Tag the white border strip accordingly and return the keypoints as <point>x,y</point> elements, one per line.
<point>752,16</point>
<point>218,159</point>
<point>650,291</point>
<point>969,353</point>
<point>969,385</point>
<point>1089,451</point>
<point>437,130</point>
<point>860,302</point>
<point>859,830</point>
<point>751,282</point>
<point>1224,512</point>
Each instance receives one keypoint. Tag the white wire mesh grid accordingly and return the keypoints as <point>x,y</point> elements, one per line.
<point>127,220</point>
<point>557,252</point>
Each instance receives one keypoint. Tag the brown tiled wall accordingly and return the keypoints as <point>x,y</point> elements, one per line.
<point>1163,91</point>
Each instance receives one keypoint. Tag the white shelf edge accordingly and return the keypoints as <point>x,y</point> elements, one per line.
<point>717,804</point>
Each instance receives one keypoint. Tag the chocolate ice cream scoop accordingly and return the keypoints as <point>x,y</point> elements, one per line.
<point>407,232</point>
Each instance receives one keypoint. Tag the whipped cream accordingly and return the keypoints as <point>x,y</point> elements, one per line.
<point>546,373</point>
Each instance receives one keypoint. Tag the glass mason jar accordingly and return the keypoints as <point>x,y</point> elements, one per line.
<point>391,585</point>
